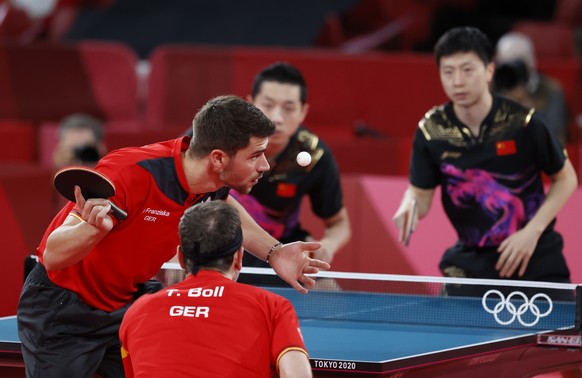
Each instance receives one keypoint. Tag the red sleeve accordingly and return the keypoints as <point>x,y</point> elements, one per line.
<point>286,332</point>
<point>127,366</point>
<point>125,357</point>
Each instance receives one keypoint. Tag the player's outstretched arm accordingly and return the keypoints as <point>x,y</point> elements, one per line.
<point>290,261</point>
<point>292,264</point>
<point>415,204</point>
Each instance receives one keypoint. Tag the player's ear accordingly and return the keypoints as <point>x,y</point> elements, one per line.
<point>490,68</point>
<point>250,99</point>
<point>218,158</point>
<point>238,258</point>
<point>304,111</point>
<point>180,256</point>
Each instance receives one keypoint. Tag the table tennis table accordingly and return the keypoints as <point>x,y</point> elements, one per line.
<point>355,331</point>
<point>438,327</point>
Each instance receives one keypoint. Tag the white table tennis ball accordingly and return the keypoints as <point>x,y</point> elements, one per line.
<point>303,158</point>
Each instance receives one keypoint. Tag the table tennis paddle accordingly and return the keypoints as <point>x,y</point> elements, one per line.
<point>92,183</point>
<point>409,222</point>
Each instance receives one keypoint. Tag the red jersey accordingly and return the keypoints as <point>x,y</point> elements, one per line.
<point>151,186</point>
<point>208,326</point>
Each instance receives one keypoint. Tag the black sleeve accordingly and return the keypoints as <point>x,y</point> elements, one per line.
<point>550,154</point>
<point>326,196</point>
<point>424,170</point>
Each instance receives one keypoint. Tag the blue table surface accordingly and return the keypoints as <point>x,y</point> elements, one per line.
<point>353,327</point>
<point>8,330</point>
<point>373,327</point>
<point>380,342</point>
<point>344,340</point>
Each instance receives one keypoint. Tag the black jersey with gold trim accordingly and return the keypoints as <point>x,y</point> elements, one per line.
<point>491,183</point>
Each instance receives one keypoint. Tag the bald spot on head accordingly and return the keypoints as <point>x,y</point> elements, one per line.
<point>514,46</point>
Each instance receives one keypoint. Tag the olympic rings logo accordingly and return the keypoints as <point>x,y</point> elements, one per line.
<point>505,305</point>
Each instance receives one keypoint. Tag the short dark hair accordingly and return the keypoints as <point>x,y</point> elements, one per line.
<point>464,39</point>
<point>281,72</point>
<point>227,123</point>
<point>214,226</point>
<point>81,121</point>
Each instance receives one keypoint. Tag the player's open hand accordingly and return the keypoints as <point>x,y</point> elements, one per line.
<point>292,264</point>
<point>405,219</point>
<point>515,253</point>
<point>94,211</point>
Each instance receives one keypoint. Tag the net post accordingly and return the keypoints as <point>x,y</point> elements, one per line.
<point>579,308</point>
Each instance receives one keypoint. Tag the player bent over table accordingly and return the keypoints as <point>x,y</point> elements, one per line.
<point>90,264</point>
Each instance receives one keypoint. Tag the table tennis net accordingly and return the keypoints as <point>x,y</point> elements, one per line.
<point>419,300</point>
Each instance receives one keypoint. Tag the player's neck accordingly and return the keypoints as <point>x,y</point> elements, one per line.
<point>472,115</point>
<point>232,274</point>
<point>199,175</point>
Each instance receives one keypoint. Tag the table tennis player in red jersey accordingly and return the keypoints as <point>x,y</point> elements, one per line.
<point>91,265</point>
<point>209,325</point>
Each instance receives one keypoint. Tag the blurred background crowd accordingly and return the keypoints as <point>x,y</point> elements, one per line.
<point>130,72</point>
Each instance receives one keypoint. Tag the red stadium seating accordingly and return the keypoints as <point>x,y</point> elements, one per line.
<point>45,82</point>
<point>342,89</point>
<point>16,25</point>
<point>17,141</point>
<point>388,93</point>
<point>569,12</point>
<point>181,80</point>
<point>26,206</point>
<point>111,68</point>
<point>551,39</point>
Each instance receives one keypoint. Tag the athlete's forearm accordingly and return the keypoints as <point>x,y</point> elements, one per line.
<point>338,231</point>
<point>564,183</point>
<point>423,199</point>
<point>70,243</point>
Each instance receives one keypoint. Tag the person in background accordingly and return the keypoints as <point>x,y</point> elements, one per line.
<point>546,93</point>
<point>510,80</point>
<point>80,141</point>
<point>280,91</point>
<point>488,154</point>
<point>91,265</point>
<point>238,331</point>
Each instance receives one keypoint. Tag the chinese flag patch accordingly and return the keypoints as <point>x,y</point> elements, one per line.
<point>505,147</point>
<point>286,190</point>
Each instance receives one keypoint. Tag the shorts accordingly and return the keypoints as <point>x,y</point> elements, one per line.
<point>64,337</point>
<point>546,264</point>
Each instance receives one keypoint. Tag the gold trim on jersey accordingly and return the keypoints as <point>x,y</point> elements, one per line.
<point>451,154</point>
<point>307,139</point>
<point>436,126</point>
<point>508,117</point>
<point>529,115</point>
<point>124,352</point>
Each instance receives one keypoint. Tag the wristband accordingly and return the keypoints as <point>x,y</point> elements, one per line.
<point>75,214</point>
<point>272,250</point>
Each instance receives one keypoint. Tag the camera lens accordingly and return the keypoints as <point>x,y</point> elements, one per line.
<point>87,154</point>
